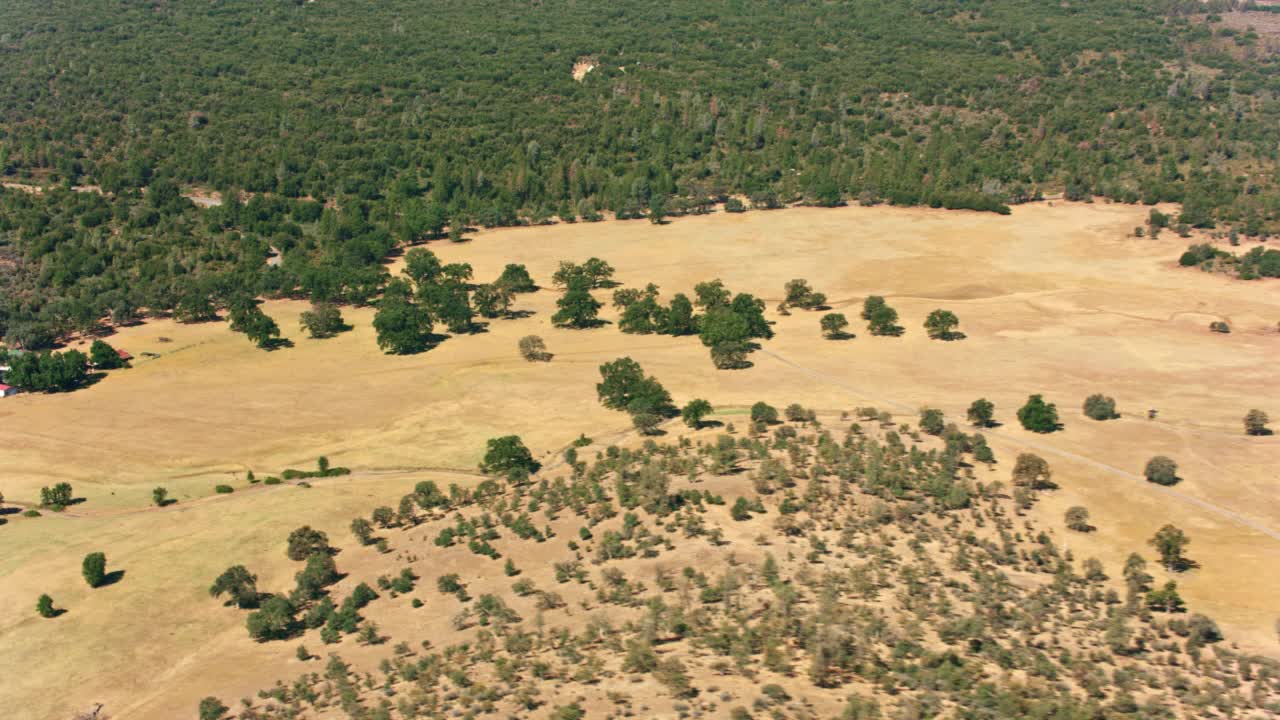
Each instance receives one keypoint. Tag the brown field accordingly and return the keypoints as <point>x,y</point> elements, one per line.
<point>1055,299</point>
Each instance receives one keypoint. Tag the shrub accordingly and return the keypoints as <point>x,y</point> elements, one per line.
<point>730,355</point>
<point>942,324</point>
<point>104,357</point>
<point>981,412</point>
<point>1100,407</point>
<point>56,497</point>
<point>362,530</point>
<point>1166,599</point>
<point>931,421</point>
<point>881,319</point>
<point>1255,423</point>
<point>763,412</point>
<point>94,569</point>
<point>1161,470</point>
<point>833,325</point>
<point>223,489</point>
<point>795,412</point>
<point>44,606</point>
<point>305,542</point>
<point>507,455</point>
<point>273,621</point>
<point>239,584</point>
<point>693,412</point>
<point>323,320</point>
<point>775,692</point>
<point>1219,326</point>
<point>1032,471</point>
<point>799,294</point>
<point>1077,518</point>
<point>1038,416</point>
<point>211,708</point>
<point>1202,630</point>
<point>624,386</point>
<point>448,584</point>
<point>516,279</point>
<point>533,349</point>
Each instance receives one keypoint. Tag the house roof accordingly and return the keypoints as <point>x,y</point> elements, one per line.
<point>124,354</point>
<point>4,387</point>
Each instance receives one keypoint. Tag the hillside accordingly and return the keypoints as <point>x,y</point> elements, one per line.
<point>1055,298</point>
<point>800,569</point>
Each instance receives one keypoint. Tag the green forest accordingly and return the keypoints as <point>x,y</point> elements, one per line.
<point>351,128</point>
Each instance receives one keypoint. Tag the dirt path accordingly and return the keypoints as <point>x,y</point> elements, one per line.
<point>1138,480</point>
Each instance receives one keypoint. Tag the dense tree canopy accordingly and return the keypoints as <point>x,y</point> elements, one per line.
<point>333,134</point>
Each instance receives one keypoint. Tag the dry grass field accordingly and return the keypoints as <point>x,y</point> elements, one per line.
<point>1056,299</point>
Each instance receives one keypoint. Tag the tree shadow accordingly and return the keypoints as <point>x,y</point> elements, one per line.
<point>950,336</point>
<point>518,314</point>
<point>276,344</point>
<point>840,335</point>
<point>706,424</point>
<point>57,612</point>
<point>111,578</point>
<point>167,502</point>
<point>589,325</point>
<point>1183,565</point>
<point>9,511</point>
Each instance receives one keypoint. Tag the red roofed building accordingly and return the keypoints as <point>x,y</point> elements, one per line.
<point>7,390</point>
<point>124,355</point>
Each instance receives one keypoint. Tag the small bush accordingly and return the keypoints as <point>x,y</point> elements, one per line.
<point>1161,471</point>
<point>44,606</point>
<point>533,349</point>
<point>223,489</point>
<point>1100,407</point>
